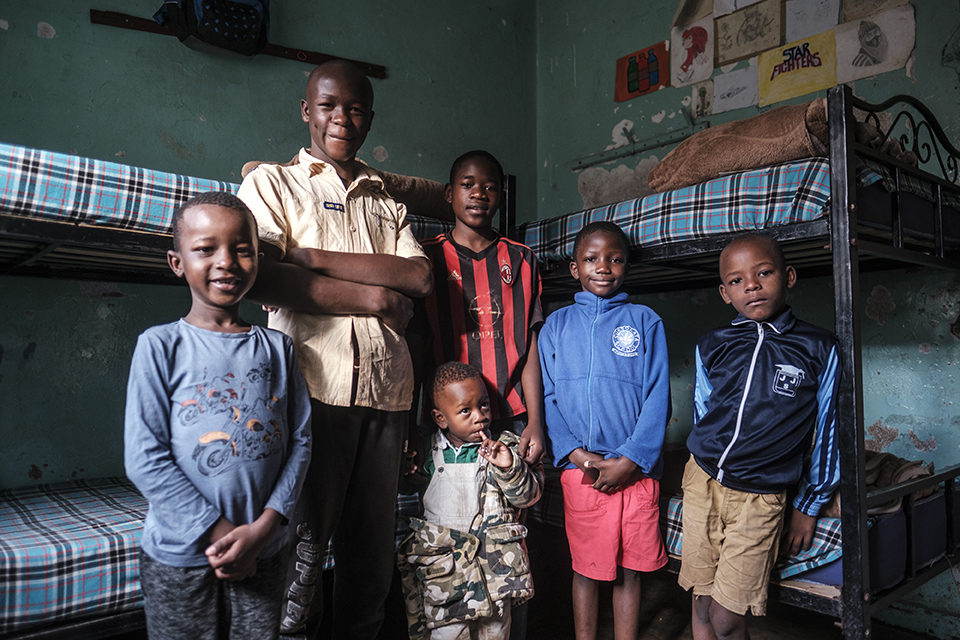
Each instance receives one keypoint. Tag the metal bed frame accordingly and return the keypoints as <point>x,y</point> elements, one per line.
<point>839,246</point>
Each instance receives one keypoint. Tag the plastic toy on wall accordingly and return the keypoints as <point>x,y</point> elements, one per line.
<point>642,72</point>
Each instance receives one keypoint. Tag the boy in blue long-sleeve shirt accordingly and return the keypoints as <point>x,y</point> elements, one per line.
<point>766,389</point>
<point>217,438</point>
<point>607,402</point>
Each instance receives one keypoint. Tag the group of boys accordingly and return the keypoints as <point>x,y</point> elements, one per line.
<point>238,434</point>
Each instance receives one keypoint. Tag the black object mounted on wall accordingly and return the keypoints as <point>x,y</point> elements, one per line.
<point>238,26</point>
<point>126,21</point>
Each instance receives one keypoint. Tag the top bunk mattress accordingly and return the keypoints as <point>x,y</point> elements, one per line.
<point>781,194</point>
<point>105,216</point>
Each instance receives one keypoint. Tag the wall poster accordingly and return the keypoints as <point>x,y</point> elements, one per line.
<point>748,31</point>
<point>691,52</point>
<point>642,72</point>
<point>799,68</point>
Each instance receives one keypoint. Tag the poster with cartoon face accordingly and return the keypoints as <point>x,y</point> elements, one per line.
<point>876,44</point>
<point>691,52</point>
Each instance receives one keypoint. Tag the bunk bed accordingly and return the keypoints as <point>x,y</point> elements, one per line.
<point>854,209</point>
<point>68,551</point>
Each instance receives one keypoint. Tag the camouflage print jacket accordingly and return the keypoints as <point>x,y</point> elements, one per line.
<point>453,576</point>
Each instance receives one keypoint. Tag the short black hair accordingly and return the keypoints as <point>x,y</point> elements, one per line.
<point>470,155</point>
<point>449,373</point>
<point>223,199</point>
<point>600,226</point>
<point>763,238</point>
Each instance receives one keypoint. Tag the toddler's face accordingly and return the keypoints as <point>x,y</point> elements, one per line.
<point>754,281</point>
<point>463,411</point>
<point>600,264</point>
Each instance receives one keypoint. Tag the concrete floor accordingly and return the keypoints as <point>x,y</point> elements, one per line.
<point>664,612</point>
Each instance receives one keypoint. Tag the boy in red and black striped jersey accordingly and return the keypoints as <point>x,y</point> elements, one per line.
<point>485,306</point>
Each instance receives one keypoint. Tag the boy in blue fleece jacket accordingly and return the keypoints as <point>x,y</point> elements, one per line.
<point>607,402</point>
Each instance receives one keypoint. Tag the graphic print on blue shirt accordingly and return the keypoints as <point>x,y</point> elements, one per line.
<point>247,431</point>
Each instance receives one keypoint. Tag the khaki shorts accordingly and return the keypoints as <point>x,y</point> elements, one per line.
<point>730,541</point>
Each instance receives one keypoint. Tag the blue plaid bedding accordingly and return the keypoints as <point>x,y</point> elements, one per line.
<point>63,188</point>
<point>782,194</point>
<point>68,550</point>
<point>826,545</point>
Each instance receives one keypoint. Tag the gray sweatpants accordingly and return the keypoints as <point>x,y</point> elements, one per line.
<point>191,603</point>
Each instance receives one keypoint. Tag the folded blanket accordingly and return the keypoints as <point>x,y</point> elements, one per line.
<point>776,136</point>
<point>421,196</point>
<point>779,135</point>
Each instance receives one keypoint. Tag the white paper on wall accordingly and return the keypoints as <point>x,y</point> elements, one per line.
<point>809,17</point>
<point>856,9</point>
<point>691,52</point>
<point>723,7</point>
<point>736,90</point>
<point>876,44</point>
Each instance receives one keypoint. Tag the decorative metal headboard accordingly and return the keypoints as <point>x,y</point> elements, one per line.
<point>915,127</point>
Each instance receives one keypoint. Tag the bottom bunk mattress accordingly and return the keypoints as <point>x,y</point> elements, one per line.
<point>823,562</point>
<point>69,550</point>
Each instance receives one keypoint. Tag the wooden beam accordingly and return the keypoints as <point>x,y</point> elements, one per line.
<point>125,21</point>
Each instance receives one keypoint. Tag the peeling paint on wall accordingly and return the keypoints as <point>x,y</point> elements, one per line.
<point>46,30</point>
<point>380,154</point>
<point>879,303</point>
<point>882,435</point>
<point>924,446</point>
<point>598,186</point>
<point>4,25</point>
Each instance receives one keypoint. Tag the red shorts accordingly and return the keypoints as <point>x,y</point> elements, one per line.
<point>606,531</point>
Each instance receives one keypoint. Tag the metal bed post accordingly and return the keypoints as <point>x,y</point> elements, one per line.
<point>855,597</point>
<point>508,208</point>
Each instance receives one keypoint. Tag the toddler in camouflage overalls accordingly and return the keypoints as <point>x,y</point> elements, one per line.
<point>465,564</point>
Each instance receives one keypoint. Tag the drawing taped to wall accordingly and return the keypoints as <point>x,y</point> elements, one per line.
<point>748,31</point>
<point>883,42</point>
<point>857,9</point>
<point>642,72</point>
<point>735,90</point>
<point>807,18</point>
<point>723,7</point>
<point>701,99</point>
<point>691,52</point>
<point>798,68</point>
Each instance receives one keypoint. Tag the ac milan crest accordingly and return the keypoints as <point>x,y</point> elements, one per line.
<point>506,273</point>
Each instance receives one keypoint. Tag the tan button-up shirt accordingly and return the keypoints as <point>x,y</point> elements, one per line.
<point>304,204</point>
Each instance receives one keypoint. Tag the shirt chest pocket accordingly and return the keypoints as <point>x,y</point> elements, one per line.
<point>379,224</point>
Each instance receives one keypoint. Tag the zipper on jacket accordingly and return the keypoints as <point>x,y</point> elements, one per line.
<point>743,402</point>
<point>593,326</point>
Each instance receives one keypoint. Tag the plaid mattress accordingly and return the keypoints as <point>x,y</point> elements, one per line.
<point>69,549</point>
<point>781,194</point>
<point>64,188</point>
<point>826,545</point>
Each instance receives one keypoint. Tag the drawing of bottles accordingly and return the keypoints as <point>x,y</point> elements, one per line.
<point>653,70</point>
<point>632,81</point>
<point>643,82</point>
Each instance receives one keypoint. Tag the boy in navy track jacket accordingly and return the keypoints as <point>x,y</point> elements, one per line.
<point>766,389</point>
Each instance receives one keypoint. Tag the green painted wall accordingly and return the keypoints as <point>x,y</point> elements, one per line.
<point>532,82</point>
<point>457,75</point>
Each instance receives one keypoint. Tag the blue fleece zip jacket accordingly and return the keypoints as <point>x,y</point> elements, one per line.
<point>606,383</point>
<point>764,392</point>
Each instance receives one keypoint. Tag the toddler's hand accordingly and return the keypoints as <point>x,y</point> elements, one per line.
<point>497,453</point>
